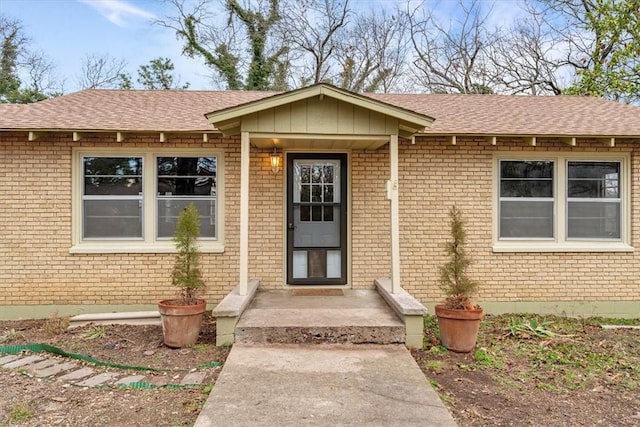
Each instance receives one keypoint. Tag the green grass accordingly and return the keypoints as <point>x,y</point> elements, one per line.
<point>486,359</point>
<point>435,365</point>
<point>554,353</point>
<point>19,413</point>
<point>96,332</point>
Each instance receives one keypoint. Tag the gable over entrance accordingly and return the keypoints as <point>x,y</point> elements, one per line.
<point>319,116</point>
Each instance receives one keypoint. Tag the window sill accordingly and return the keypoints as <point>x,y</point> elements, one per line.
<point>562,247</point>
<point>139,248</point>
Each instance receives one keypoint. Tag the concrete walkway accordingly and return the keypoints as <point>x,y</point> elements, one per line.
<point>322,384</point>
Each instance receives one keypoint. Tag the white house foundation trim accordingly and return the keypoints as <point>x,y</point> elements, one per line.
<point>244,212</point>
<point>395,213</point>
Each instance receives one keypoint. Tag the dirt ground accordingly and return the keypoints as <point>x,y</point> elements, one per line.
<point>29,401</point>
<point>578,375</point>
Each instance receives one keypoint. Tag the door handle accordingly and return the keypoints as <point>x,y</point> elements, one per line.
<point>291,226</point>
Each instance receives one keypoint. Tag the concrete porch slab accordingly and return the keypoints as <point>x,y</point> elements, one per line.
<point>336,385</point>
<point>358,316</point>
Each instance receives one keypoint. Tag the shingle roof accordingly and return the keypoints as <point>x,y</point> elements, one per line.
<point>183,111</point>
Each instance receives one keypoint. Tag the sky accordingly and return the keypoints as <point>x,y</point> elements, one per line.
<point>69,30</point>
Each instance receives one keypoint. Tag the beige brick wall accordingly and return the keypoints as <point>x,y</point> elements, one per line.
<point>435,175</point>
<point>35,228</point>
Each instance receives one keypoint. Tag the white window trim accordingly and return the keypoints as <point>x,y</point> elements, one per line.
<point>560,243</point>
<point>149,243</point>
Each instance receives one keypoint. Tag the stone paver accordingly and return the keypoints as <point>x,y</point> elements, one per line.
<point>41,365</point>
<point>55,369</point>
<point>76,375</point>
<point>22,362</point>
<point>7,359</point>
<point>158,380</point>
<point>97,380</point>
<point>68,371</point>
<point>129,380</point>
<point>193,378</point>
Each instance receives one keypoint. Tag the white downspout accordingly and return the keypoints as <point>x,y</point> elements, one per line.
<point>244,212</point>
<point>395,214</point>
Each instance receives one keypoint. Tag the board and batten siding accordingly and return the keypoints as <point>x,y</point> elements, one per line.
<point>326,116</point>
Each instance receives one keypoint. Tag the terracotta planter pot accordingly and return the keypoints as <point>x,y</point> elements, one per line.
<point>181,323</point>
<point>458,328</point>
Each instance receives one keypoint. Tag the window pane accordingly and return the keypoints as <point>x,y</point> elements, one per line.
<point>316,213</point>
<point>334,264</point>
<point>170,209</point>
<point>526,178</point>
<point>526,169</point>
<point>328,174</point>
<point>187,176</point>
<point>328,213</point>
<point>186,186</point>
<point>112,166</point>
<point>316,174</point>
<point>316,193</point>
<point>594,180</point>
<point>305,212</point>
<point>526,219</point>
<point>299,264</point>
<point>522,188</point>
<point>594,220</point>
<point>187,166</point>
<point>112,219</point>
<point>112,186</point>
<point>112,176</point>
<point>328,193</point>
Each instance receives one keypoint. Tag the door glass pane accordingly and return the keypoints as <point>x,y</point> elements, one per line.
<point>299,264</point>
<point>316,194</point>
<point>317,261</point>
<point>316,215</point>
<point>334,264</point>
<point>328,193</point>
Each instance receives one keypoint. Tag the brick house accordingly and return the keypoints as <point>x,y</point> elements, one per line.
<point>92,183</point>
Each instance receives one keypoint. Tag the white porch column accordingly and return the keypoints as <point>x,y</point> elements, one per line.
<point>395,220</point>
<point>244,212</point>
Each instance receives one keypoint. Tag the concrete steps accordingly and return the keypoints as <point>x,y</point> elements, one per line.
<point>43,365</point>
<point>357,317</point>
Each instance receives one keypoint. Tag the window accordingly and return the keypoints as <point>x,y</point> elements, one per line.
<point>112,198</point>
<point>131,201</point>
<point>526,199</point>
<point>562,202</point>
<point>593,200</point>
<point>184,180</point>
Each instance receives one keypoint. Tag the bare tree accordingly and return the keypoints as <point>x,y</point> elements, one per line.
<point>603,45</point>
<point>373,58</point>
<point>101,71</point>
<point>314,29</point>
<point>240,45</point>
<point>452,58</point>
<point>525,59</point>
<point>25,75</point>
<point>158,74</point>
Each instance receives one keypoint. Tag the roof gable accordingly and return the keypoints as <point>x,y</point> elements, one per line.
<point>319,109</point>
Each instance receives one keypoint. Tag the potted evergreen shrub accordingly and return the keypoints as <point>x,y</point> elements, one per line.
<point>458,318</point>
<point>182,317</point>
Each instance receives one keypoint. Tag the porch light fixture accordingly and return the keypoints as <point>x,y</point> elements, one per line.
<point>275,161</point>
